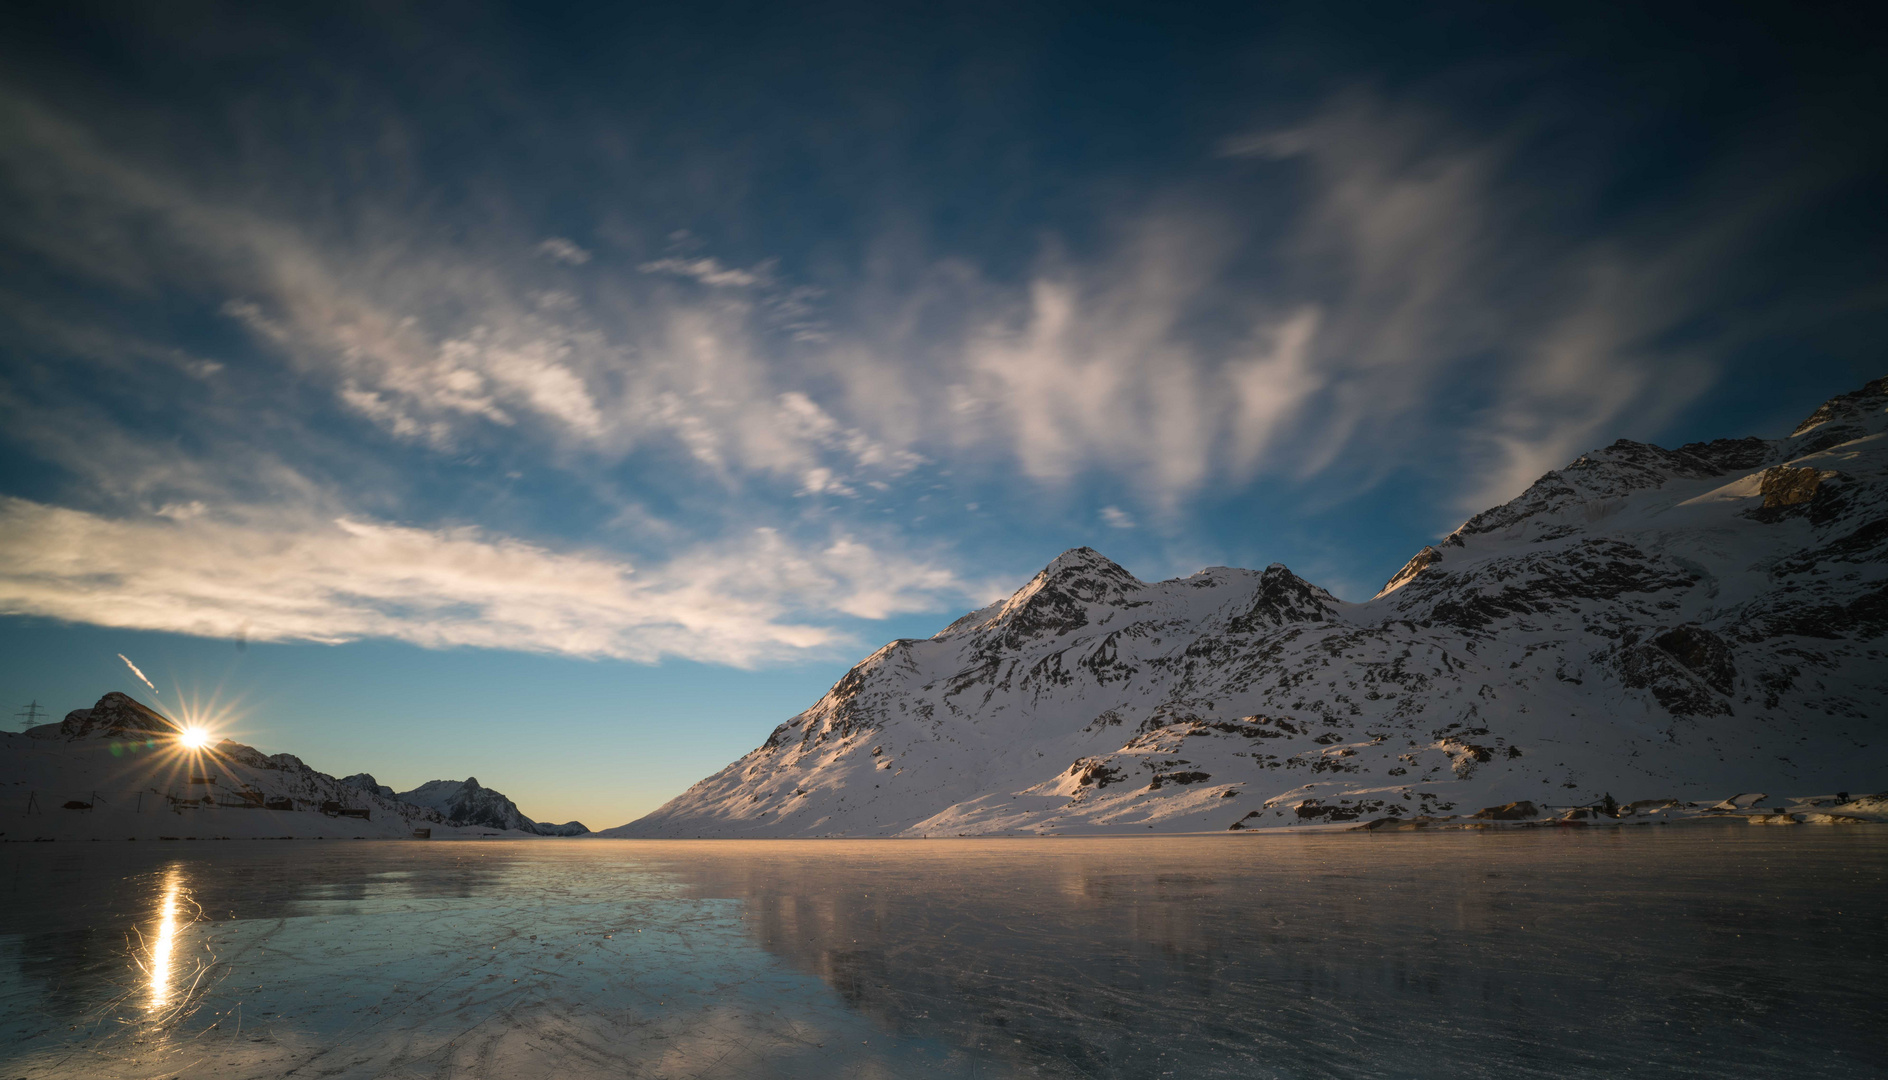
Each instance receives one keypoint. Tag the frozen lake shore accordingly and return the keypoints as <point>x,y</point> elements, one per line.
<point>1726,951</point>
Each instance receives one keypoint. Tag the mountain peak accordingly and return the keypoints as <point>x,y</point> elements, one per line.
<point>1055,599</point>
<point>1849,416</point>
<point>116,715</point>
<point>1084,560</point>
<point>1642,621</point>
<point>1081,573</point>
<point>1283,597</point>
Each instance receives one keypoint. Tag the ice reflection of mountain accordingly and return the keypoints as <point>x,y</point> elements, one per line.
<point>1503,956</point>
<point>1716,950</point>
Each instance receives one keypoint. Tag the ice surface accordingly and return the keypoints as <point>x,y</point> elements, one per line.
<point>1720,951</point>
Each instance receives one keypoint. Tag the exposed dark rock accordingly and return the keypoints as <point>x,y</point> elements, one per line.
<point>1514,811</point>
<point>1162,779</point>
<point>1730,455</point>
<point>1648,667</point>
<point>1866,616</point>
<point>1702,651</point>
<point>1283,597</point>
<point>1312,809</point>
<point>1868,544</point>
<point>1094,771</point>
<point>1539,584</point>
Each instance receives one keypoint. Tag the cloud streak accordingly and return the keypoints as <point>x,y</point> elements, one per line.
<point>139,674</point>
<point>740,603</point>
<point>1405,318</point>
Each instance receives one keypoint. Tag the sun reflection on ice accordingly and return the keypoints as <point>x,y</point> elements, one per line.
<point>159,966</point>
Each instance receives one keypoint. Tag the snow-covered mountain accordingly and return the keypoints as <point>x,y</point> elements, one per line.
<point>1645,623</point>
<point>119,770</point>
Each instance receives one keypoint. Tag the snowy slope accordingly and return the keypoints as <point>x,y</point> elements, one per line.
<point>118,771</point>
<point>1644,623</point>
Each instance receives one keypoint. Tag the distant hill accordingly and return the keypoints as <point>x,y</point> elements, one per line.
<point>119,770</point>
<point>1643,624</point>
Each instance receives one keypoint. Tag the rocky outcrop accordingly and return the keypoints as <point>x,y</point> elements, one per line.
<point>365,782</point>
<point>466,802</point>
<point>1787,486</point>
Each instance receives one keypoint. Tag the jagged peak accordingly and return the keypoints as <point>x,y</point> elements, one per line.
<point>116,714</point>
<point>1081,572</point>
<point>1080,575</point>
<point>1085,560</point>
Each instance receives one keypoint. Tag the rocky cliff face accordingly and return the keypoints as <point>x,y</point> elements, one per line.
<point>1644,623</point>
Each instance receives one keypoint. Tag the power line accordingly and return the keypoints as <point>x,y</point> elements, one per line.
<point>30,716</point>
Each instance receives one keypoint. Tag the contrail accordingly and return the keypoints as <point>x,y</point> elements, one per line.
<point>135,671</point>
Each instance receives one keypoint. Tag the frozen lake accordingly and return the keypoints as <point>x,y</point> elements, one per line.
<point>1722,951</point>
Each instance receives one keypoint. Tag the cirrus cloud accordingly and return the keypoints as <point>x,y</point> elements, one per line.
<point>756,599</point>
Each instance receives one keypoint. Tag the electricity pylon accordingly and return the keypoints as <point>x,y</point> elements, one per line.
<point>30,716</point>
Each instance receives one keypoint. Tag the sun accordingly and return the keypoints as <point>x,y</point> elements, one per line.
<point>194,737</point>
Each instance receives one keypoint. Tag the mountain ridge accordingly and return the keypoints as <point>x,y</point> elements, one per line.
<point>1649,622</point>
<point>119,770</point>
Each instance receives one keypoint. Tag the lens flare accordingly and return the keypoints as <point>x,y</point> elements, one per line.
<point>195,738</point>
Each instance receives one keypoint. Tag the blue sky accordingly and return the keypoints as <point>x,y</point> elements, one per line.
<point>566,396</point>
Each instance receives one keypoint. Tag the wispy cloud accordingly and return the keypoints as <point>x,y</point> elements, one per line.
<point>1409,314</point>
<point>709,272</point>
<point>563,251</point>
<point>434,345</point>
<point>746,601</point>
